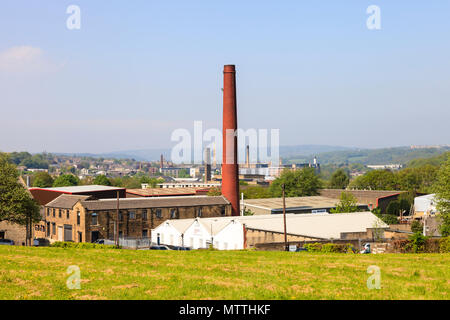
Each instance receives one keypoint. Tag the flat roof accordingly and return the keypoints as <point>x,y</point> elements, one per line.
<point>78,189</point>
<point>293,202</point>
<point>154,192</point>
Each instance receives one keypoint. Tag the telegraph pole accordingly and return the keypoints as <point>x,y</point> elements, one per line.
<point>284,217</point>
<point>117,222</point>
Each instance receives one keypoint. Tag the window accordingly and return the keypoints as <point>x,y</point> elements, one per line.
<point>48,212</point>
<point>78,217</point>
<point>94,219</point>
<point>132,215</point>
<point>144,233</point>
<point>222,211</point>
<point>67,214</point>
<point>199,212</point>
<point>120,234</point>
<point>158,213</point>
<point>173,213</point>
<point>54,212</point>
<point>53,228</point>
<point>120,216</point>
<point>144,214</point>
<point>59,213</point>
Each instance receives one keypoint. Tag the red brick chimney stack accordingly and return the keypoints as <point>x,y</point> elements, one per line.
<point>230,171</point>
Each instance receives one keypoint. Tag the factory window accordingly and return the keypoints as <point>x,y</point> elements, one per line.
<point>54,212</point>
<point>78,217</point>
<point>158,213</point>
<point>222,211</point>
<point>59,213</point>
<point>132,215</point>
<point>120,216</point>
<point>120,234</point>
<point>94,219</point>
<point>173,213</point>
<point>67,214</point>
<point>144,233</point>
<point>144,214</point>
<point>53,228</point>
<point>199,212</point>
<point>48,212</point>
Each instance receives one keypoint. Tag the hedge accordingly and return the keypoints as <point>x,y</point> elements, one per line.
<point>420,244</point>
<point>329,247</point>
<point>82,245</point>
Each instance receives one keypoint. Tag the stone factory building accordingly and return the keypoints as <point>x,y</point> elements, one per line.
<point>81,218</point>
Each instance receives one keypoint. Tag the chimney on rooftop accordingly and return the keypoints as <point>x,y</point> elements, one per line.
<point>230,170</point>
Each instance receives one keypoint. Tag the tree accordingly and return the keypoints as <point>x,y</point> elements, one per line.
<point>256,192</point>
<point>339,180</point>
<point>442,188</point>
<point>101,180</point>
<point>16,204</point>
<point>42,180</point>
<point>393,208</point>
<point>416,226</point>
<point>347,203</point>
<point>299,183</point>
<point>66,180</point>
<point>214,191</point>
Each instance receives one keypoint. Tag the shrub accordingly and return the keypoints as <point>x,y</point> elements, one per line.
<point>416,226</point>
<point>82,245</point>
<point>416,243</point>
<point>444,245</point>
<point>388,218</point>
<point>329,247</point>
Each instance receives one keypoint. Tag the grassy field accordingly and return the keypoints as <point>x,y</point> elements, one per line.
<point>40,273</point>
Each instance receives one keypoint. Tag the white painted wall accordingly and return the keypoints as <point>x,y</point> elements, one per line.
<point>168,234</point>
<point>231,237</point>
<point>196,236</point>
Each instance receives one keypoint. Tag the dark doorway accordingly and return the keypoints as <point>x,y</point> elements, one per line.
<point>95,236</point>
<point>80,237</point>
<point>67,232</point>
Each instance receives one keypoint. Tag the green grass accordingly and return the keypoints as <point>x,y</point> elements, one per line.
<point>40,273</point>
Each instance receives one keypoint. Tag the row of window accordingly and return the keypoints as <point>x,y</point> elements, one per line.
<point>60,211</point>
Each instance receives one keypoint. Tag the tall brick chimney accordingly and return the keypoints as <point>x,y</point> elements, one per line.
<point>230,170</point>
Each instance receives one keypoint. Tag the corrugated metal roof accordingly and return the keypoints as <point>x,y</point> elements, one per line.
<point>166,202</point>
<point>291,202</point>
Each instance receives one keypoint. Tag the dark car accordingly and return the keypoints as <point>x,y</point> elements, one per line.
<point>99,241</point>
<point>301,249</point>
<point>6,242</point>
<point>41,242</point>
<point>180,248</point>
<point>159,248</point>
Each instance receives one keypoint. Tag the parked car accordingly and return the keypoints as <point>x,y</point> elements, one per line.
<point>99,241</point>
<point>301,249</point>
<point>180,248</point>
<point>159,248</point>
<point>41,242</point>
<point>6,242</point>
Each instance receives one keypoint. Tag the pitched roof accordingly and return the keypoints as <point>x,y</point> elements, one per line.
<point>165,202</point>
<point>66,201</point>
<point>321,226</point>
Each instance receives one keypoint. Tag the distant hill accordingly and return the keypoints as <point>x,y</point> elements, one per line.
<point>154,154</point>
<point>401,155</point>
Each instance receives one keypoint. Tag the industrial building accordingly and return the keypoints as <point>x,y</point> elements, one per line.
<point>166,192</point>
<point>312,204</point>
<point>241,232</point>
<point>82,218</point>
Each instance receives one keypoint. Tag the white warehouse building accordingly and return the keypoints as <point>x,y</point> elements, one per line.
<point>237,232</point>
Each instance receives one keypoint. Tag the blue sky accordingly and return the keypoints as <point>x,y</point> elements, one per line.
<point>137,70</point>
